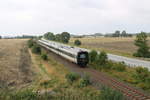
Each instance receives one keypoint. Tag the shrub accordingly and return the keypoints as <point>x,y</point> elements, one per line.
<point>142,74</point>
<point>44,56</point>
<point>30,43</point>
<point>144,86</point>
<point>148,80</point>
<point>119,66</point>
<point>109,94</point>
<point>92,56</point>
<point>36,49</point>
<point>102,58</point>
<point>85,81</point>
<point>77,42</point>
<point>108,65</point>
<point>72,77</point>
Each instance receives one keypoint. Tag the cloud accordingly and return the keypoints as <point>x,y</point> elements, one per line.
<point>78,16</point>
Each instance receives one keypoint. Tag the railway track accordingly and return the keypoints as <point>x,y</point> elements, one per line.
<point>130,92</point>
<point>101,78</point>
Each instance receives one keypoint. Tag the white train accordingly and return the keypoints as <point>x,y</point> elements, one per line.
<point>74,54</point>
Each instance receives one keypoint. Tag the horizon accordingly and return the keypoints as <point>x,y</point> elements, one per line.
<point>41,34</point>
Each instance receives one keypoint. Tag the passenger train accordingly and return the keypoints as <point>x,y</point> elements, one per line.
<point>74,54</point>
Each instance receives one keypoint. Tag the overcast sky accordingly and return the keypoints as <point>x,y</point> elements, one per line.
<point>74,16</point>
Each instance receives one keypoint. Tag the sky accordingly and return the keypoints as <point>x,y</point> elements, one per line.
<point>34,17</point>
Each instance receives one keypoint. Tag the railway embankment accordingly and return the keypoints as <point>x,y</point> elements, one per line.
<point>108,80</point>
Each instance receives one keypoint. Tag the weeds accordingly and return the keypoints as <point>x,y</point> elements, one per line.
<point>119,66</point>
<point>72,77</point>
<point>109,94</point>
<point>30,43</point>
<point>44,56</point>
<point>85,81</point>
<point>36,49</point>
<point>48,83</point>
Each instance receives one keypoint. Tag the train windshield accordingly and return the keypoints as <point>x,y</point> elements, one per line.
<point>82,56</point>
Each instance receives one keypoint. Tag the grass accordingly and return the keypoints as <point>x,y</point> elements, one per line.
<point>15,64</point>
<point>49,79</point>
<point>52,77</point>
<point>120,46</point>
<point>128,76</point>
<point>138,76</point>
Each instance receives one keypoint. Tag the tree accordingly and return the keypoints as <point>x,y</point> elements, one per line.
<point>102,58</point>
<point>0,37</point>
<point>58,37</point>
<point>124,34</point>
<point>65,37</point>
<point>116,34</point>
<point>49,36</point>
<point>77,42</point>
<point>92,56</point>
<point>141,43</point>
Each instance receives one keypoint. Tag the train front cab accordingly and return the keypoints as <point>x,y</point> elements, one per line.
<point>82,58</point>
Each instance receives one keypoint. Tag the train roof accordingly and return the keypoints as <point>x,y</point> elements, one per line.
<point>71,49</point>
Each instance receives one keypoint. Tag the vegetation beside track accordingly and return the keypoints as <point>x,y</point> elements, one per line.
<point>139,76</point>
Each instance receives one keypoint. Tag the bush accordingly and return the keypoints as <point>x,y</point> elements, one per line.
<point>144,86</point>
<point>77,42</point>
<point>72,77</point>
<point>36,49</point>
<point>142,74</point>
<point>30,43</point>
<point>119,66</point>
<point>85,81</point>
<point>102,58</point>
<point>109,94</point>
<point>92,56</point>
<point>108,65</point>
<point>44,56</point>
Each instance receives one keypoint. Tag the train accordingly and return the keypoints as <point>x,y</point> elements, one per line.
<point>73,54</point>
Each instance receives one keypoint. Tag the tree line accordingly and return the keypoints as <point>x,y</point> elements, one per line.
<point>64,37</point>
<point>19,37</point>
<point>119,34</point>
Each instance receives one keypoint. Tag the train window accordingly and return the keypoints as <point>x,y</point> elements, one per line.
<point>82,56</point>
<point>71,55</point>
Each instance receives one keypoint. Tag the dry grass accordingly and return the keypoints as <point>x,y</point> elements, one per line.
<point>48,71</point>
<point>15,63</point>
<point>120,46</point>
